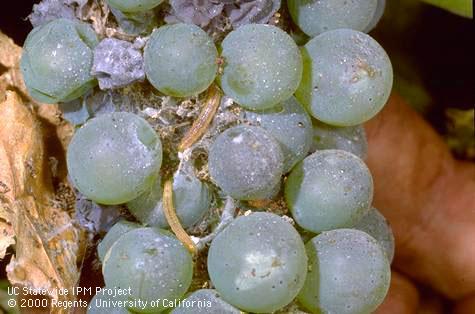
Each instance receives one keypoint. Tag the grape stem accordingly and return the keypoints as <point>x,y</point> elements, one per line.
<point>172,218</point>
<point>227,216</point>
<point>200,125</point>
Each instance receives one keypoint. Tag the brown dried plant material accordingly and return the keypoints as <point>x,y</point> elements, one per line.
<point>47,242</point>
<point>10,76</point>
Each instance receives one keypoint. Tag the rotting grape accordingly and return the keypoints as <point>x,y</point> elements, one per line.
<point>153,263</point>
<point>180,60</point>
<point>318,16</point>
<point>347,77</point>
<point>246,162</point>
<point>329,189</point>
<point>57,59</point>
<point>262,66</point>
<point>348,273</point>
<point>114,157</point>
<point>290,125</point>
<point>258,263</point>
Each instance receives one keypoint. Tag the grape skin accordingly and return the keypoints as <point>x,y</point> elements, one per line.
<point>145,259</point>
<point>347,77</point>
<point>258,263</point>
<point>246,162</point>
<point>329,189</point>
<point>376,225</point>
<point>290,125</point>
<point>377,16</point>
<point>133,5</point>
<point>191,197</point>
<point>56,61</point>
<point>118,229</point>
<point>351,139</point>
<point>180,60</point>
<point>318,16</point>
<point>213,304</point>
<point>262,66</point>
<point>348,273</point>
<point>113,158</point>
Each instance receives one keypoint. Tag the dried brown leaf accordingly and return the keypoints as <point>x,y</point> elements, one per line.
<point>10,75</point>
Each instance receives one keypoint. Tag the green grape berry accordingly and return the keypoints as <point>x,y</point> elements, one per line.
<point>347,77</point>
<point>262,66</point>
<point>57,59</point>
<point>114,157</point>
<point>290,125</point>
<point>153,263</point>
<point>374,224</point>
<point>318,16</point>
<point>115,232</point>
<point>351,138</point>
<point>258,263</point>
<point>180,60</point>
<point>133,5</point>
<point>191,197</point>
<point>348,274</point>
<point>329,189</point>
<point>246,162</point>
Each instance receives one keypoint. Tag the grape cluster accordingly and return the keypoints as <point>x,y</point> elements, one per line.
<point>295,145</point>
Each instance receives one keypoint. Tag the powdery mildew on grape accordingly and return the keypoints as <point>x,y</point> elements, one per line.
<point>374,224</point>
<point>246,162</point>
<point>317,16</point>
<point>351,139</point>
<point>56,60</point>
<point>290,125</point>
<point>329,189</point>
<point>145,260</point>
<point>117,63</point>
<point>180,60</point>
<point>349,273</point>
<point>255,254</point>
<point>347,77</point>
<point>118,229</point>
<point>114,157</point>
<point>262,66</point>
